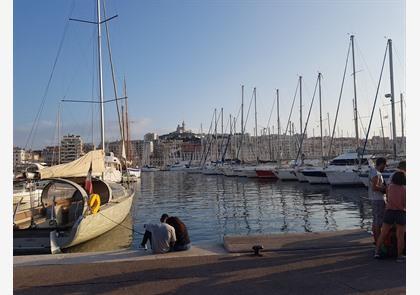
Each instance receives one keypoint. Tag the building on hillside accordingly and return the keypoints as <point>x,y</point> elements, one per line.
<point>19,156</point>
<point>71,148</point>
<point>151,137</point>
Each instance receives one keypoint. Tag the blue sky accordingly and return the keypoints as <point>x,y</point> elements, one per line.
<point>182,59</point>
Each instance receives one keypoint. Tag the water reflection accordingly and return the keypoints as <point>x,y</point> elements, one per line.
<point>213,206</point>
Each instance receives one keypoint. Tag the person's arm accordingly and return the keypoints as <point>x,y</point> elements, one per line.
<point>377,185</point>
<point>172,237</point>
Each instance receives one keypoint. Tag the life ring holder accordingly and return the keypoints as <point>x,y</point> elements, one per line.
<point>94,203</point>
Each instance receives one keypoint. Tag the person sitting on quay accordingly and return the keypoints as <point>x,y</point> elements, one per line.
<point>376,192</point>
<point>182,238</point>
<point>395,213</point>
<point>162,236</point>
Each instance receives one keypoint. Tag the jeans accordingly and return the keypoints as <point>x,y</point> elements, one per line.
<point>181,247</point>
<point>147,236</point>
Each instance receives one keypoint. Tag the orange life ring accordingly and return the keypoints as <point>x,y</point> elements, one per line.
<point>94,203</point>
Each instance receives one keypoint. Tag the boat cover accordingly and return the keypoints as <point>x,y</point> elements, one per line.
<point>77,168</point>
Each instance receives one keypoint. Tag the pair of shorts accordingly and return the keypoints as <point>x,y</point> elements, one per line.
<point>378,212</point>
<point>394,217</point>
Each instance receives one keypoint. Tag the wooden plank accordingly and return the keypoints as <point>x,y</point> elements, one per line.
<point>299,241</point>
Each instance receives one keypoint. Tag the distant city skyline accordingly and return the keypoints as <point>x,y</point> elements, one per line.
<point>181,60</point>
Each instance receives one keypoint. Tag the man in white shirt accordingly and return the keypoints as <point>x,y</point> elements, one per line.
<point>162,236</point>
<point>376,192</point>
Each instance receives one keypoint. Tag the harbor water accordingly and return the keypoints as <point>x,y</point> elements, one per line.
<point>214,205</point>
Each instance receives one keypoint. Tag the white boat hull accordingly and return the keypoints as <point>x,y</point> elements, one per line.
<point>343,177</point>
<point>134,172</point>
<point>94,225</point>
<point>300,176</point>
<point>286,174</point>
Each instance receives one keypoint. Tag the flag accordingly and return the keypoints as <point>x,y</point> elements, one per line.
<point>88,181</point>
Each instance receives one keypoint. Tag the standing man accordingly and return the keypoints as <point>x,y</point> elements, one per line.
<point>162,236</point>
<point>377,190</point>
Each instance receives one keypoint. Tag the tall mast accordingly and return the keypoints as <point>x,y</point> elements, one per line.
<point>222,124</point>
<point>58,131</point>
<point>391,76</point>
<point>356,122</point>
<point>101,86</point>
<point>402,119</point>
<point>402,114</point>
<point>300,104</point>
<point>278,125</point>
<point>256,123</point>
<point>320,116</point>
<point>215,134</point>
<point>126,123</point>
<point>242,123</point>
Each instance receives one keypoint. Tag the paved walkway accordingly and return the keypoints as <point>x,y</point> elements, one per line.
<point>320,263</point>
<point>336,271</point>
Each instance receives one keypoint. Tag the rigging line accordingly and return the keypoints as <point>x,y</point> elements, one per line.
<point>374,103</point>
<point>402,68</point>
<point>372,80</point>
<point>35,124</point>
<point>120,224</point>
<point>307,120</point>
<point>291,109</point>
<point>81,61</point>
<point>246,120</point>
<point>361,123</point>
<point>208,134</point>
<point>114,83</point>
<point>272,108</point>
<point>339,101</point>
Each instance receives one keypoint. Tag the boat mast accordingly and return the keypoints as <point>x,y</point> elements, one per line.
<point>356,122</point>
<point>126,122</point>
<point>300,104</point>
<point>215,134</point>
<point>320,116</point>
<point>256,128</point>
<point>101,86</point>
<point>402,117</point>
<point>58,139</point>
<point>278,126</point>
<point>391,76</point>
<point>242,123</point>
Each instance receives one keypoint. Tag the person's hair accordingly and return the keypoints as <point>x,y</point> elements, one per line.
<point>177,224</point>
<point>380,161</point>
<point>164,217</point>
<point>398,178</point>
<point>401,165</point>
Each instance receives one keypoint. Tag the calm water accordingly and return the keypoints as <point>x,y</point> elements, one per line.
<point>214,206</point>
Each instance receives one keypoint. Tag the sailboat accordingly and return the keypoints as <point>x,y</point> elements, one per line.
<point>80,201</point>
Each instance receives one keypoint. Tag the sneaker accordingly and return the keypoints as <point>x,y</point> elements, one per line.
<point>143,247</point>
<point>401,258</point>
<point>377,256</point>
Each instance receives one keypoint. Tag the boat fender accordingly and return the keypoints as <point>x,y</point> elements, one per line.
<point>94,203</point>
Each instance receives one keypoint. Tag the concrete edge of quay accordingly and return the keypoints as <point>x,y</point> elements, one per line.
<point>116,256</point>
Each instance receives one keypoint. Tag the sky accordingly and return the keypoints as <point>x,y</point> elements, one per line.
<point>182,59</point>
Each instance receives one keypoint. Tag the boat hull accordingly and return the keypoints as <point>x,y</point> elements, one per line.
<point>344,178</point>
<point>315,176</point>
<point>300,177</point>
<point>94,225</point>
<point>286,174</point>
<point>266,173</point>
